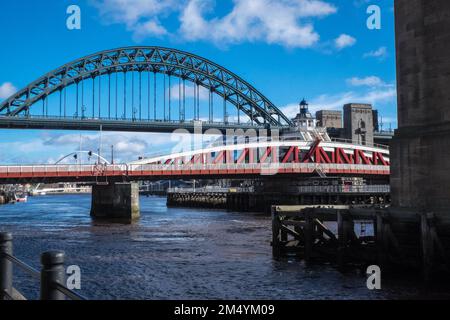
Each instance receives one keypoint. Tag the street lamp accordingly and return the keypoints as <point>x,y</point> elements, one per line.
<point>112,154</point>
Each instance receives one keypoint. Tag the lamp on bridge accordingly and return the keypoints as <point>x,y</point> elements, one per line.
<point>112,154</point>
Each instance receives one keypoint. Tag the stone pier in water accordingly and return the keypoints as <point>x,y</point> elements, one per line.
<point>115,202</point>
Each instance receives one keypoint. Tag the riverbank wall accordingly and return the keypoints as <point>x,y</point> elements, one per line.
<point>262,202</point>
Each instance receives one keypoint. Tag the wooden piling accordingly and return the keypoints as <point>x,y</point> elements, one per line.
<point>427,245</point>
<point>342,239</point>
<point>309,235</point>
<point>275,234</point>
<point>401,241</point>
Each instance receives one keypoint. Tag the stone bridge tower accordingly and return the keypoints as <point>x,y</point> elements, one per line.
<point>421,148</point>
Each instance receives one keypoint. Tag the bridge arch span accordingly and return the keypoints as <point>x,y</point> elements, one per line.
<point>153,60</point>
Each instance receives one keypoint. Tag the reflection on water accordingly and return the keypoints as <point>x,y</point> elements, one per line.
<point>173,253</point>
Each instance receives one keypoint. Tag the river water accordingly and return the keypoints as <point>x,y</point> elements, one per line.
<point>176,253</point>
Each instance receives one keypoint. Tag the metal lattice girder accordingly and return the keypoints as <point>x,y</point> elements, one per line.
<point>151,59</point>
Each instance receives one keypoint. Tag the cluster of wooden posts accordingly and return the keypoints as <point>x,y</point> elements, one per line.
<point>348,236</point>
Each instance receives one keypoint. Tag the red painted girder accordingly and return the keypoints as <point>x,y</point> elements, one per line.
<point>266,154</point>
<point>377,157</point>
<point>359,155</point>
<point>241,158</point>
<point>289,153</point>
<point>311,151</point>
<point>219,157</point>
<point>341,157</point>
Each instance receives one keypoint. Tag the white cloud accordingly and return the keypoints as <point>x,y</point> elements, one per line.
<point>7,89</point>
<point>149,28</point>
<point>48,147</point>
<point>27,151</point>
<point>203,93</point>
<point>127,145</point>
<point>380,53</point>
<point>142,17</point>
<point>284,22</point>
<point>371,81</point>
<point>258,20</point>
<point>344,41</point>
<point>337,101</point>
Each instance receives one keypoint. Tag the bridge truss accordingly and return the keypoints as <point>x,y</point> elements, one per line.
<point>248,160</point>
<point>140,89</point>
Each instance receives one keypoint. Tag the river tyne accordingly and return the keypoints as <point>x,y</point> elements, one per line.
<point>177,253</point>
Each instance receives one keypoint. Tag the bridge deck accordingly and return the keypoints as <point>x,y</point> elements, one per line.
<point>63,173</point>
<point>130,125</point>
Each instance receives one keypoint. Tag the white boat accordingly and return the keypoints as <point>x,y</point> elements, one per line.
<point>21,198</point>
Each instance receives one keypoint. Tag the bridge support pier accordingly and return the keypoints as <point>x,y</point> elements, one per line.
<point>421,146</point>
<point>116,202</point>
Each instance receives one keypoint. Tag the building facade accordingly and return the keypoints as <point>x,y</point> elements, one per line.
<point>329,119</point>
<point>358,123</point>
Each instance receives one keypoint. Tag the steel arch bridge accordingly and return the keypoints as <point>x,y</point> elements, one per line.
<point>85,94</point>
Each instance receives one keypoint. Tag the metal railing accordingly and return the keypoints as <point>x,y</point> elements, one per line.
<point>126,169</point>
<point>345,189</point>
<point>300,189</point>
<point>52,275</point>
<point>349,141</point>
<point>90,118</point>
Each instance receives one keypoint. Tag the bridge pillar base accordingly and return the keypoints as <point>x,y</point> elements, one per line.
<point>115,202</point>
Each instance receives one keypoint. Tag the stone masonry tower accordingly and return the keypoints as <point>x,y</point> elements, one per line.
<point>358,123</point>
<point>420,154</point>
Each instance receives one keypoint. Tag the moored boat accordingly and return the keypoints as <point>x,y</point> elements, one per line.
<point>21,198</point>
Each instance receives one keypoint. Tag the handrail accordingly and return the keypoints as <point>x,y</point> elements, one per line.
<point>30,270</point>
<point>51,275</point>
<point>349,141</point>
<point>7,295</point>
<point>67,292</point>
<point>133,167</point>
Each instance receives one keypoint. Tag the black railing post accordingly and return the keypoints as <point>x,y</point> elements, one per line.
<point>52,271</point>
<point>6,266</point>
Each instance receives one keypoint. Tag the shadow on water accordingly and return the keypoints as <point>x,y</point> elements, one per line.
<point>175,253</point>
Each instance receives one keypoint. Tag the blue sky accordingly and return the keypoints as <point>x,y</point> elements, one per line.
<point>288,49</point>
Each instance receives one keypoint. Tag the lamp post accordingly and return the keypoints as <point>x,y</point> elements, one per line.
<point>112,154</point>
